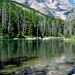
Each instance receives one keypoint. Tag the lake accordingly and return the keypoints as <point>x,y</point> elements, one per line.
<point>20,54</point>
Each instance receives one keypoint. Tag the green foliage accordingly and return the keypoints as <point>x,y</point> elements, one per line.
<point>6,36</point>
<point>72,37</point>
<point>20,23</point>
<point>11,33</point>
<point>18,35</point>
<point>29,36</point>
<point>1,37</point>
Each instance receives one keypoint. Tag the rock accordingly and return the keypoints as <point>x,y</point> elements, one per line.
<point>40,71</point>
<point>27,71</point>
<point>72,72</point>
<point>53,68</point>
<point>15,38</point>
<point>13,73</point>
<point>49,73</point>
<point>70,63</point>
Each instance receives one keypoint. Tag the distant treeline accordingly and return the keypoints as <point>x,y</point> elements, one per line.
<point>17,22</point>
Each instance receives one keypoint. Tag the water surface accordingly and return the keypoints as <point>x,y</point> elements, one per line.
<point>21,53</point>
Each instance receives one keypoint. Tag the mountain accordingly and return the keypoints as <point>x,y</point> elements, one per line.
<point>59,8</point>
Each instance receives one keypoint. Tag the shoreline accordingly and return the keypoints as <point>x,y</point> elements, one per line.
<point>68,39</point>
<point>31,38</point>
<point>45,38</point>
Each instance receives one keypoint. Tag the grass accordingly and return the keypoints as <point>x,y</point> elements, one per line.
<point>38,37</point>
<point>72,42</point>
<point>1,37</point>
<point>53,37</point>
<point>30,36</point>
<point>72,37</point>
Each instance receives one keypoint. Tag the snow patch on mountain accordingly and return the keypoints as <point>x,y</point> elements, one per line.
<point>57,7</point>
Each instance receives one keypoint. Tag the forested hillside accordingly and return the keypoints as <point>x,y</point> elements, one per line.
<point>20,21</point>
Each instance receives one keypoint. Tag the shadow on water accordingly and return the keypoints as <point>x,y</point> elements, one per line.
<point>16,61</point>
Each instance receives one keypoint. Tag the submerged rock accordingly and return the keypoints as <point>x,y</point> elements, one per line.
<point>70,63</point>
<point>26,72</point>
<point>72,72</point>
<point>53,68</point>
<point>34,71</point>
<point>40,71</point>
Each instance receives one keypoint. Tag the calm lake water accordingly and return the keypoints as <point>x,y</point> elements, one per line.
<point>18,54</point>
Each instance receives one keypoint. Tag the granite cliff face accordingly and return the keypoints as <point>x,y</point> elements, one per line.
<point>59,8</point>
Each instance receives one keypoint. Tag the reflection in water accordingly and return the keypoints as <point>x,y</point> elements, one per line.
<point>33,53</point>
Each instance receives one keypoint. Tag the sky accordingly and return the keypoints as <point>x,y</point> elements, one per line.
<point>71,2</point>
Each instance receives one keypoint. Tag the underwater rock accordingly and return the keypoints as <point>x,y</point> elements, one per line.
<point>72,72</point>
<point>26,72</point>
<point>53,68</point>
<point>70,63</point>
<point>40,71</point>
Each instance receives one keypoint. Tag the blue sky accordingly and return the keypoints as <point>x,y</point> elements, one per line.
<point>71,1</point>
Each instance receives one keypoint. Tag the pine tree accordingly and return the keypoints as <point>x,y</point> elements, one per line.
<point>9,18</point>
<point>24,23</point>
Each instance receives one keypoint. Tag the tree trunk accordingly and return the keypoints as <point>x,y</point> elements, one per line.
<point>9,19</point>
<point>4,17</point>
